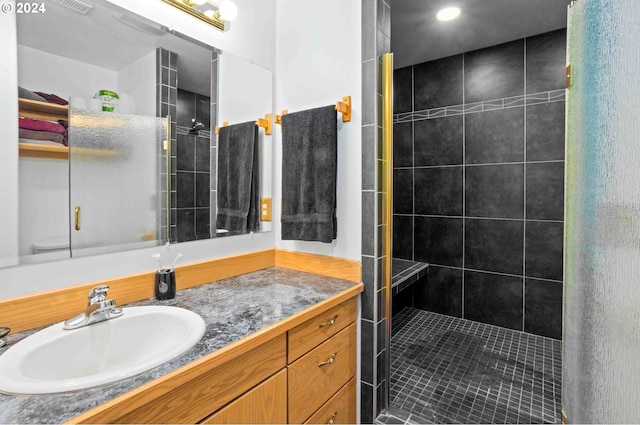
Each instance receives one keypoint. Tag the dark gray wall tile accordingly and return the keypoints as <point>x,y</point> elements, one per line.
<point>494,191</point>
<point>186,110</point>
<point>545,131</point>
<point>203,110</point>
<point>438,240</point>
<point>403,145</point>
<point>403,237</point>
<point>494,72</point>
<point>543,308</point>
<point>438,141</point>
<point>369,157</point>
<point>185,188</point>
<point>402,90</point>
<point>202,190</point>
<point>366,355</point>
<point>369,292</point>
<point>545,191</point>
<point>543,249</point>
<point>185,152</point>
<point>185,225</point>
<point>438,83</point>
<point>493,299</point>
<point>203,152</point>
<point>203,227</point>
<point>494,245</point>
<point>440,291</point>
<point>546,61</point>
<point>368,222</point>
<point>495,136</point>
<point>366,403</point>
<point>403,191</point>
<point>438,191</point>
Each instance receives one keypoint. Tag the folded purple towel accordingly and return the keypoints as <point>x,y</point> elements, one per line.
<point>42,135</point>
<point>52,98</point>
<point>39,125</point>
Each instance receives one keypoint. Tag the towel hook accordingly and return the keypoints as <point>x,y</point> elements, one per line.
<point>266,123</point>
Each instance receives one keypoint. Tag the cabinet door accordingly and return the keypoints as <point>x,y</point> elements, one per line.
<point>264,404</point>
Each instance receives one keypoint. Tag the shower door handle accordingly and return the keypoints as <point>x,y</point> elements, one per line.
<point>76,217</point>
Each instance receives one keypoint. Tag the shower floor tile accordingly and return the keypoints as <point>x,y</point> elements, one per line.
<point>450,370</point>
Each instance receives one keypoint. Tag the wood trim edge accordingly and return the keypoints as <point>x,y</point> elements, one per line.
<point>324,265</point>
<point>34,310</point>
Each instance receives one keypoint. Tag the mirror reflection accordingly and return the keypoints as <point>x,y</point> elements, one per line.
<point>101,67</point>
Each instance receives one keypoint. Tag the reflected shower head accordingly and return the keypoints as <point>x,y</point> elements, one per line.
<point>196,126</point>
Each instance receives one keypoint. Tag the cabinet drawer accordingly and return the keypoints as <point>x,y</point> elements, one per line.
<point>316,376</point>
<point>309,334</point>
<point>340,409</point>
<point>264,404</point>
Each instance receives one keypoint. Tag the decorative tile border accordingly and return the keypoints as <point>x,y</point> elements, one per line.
<point>487,105</point>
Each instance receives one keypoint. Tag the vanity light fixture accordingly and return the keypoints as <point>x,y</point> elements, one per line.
<point>448,14</point>
<point>216,13</point>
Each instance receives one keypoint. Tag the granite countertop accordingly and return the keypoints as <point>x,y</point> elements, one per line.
<point>232,309</point>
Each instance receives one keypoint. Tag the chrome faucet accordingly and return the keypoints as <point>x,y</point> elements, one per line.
<point>99,309</point>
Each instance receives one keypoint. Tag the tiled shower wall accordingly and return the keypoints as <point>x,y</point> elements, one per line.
<point>193,166</point>
<point>193,157</point>
<point>479,182</point>
<point>376,40</point>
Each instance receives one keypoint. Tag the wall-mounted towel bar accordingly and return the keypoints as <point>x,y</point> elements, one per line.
<point>343,106</point>
<point>266,123</point>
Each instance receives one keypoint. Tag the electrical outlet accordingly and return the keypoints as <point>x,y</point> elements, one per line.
<point>265,209</point>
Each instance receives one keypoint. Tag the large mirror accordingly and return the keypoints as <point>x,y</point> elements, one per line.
<point>100,180</point>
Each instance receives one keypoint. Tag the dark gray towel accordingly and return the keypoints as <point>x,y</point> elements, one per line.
<point>238,170</point>
<point>309,170</point>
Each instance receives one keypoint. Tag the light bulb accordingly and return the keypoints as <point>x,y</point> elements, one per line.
<point>210,13</point>
<point>228,10</point>
<point>448,13</point>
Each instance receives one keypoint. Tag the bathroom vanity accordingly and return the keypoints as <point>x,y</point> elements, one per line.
<point>279,347</point>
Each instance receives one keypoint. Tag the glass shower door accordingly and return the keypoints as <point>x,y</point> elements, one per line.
<point>117,171</point>
<point>601,336</point>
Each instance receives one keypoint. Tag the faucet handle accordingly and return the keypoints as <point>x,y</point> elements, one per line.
<point>98,294</point>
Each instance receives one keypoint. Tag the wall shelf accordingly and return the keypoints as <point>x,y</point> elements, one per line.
<point>42,110</point>
<point>34,150</point>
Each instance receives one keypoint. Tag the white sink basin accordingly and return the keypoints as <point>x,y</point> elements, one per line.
<point>54,360</point>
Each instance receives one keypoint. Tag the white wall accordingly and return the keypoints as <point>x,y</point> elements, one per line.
<point>136,80</point>
<point>252,36</point>
<point>9,140</point>
<point>317,63</point>
<point>49,73</point>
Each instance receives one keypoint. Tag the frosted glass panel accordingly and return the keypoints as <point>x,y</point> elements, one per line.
<point>116,172</point>
<point>601,340</point>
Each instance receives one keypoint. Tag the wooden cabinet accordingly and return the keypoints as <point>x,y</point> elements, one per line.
<point>265,404</point>
<point>302,370</point>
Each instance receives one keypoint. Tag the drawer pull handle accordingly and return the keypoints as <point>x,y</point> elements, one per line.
<point>333,418</point>
<point>330,322</point>
<point>330,361</point>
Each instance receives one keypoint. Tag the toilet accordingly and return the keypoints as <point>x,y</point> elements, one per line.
<point>51,245</point>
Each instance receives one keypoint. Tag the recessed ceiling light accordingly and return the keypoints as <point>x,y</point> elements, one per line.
<point>448,13</point>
